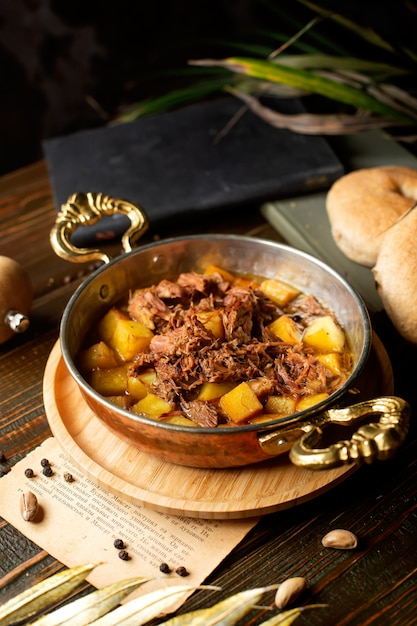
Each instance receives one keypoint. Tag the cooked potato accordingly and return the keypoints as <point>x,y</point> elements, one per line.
<point>136,388</point>
<point>110,382</point>
<point>129,338</point>
<point>98,355</point>
<point>310,401</point>
<point>333,361</point>
<point>213,322</point>
<point>286,329</point>
<point>324,335</point>
<point>278,291</point>
<point>240,403</point>
<point>285,405</point>
<point>211,391</point>
<point>108,322</point>
<point>152,406</point>
<point>216,269</point>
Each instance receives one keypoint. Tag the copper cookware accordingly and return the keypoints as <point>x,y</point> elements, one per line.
<point>242,445</point>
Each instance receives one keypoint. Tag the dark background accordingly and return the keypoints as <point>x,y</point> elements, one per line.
<point>66,66</point>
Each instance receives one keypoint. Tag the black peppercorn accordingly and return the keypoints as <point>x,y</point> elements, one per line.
<point>182,571</point>
<point>45,463</point>
<point>68,477</point>
<point>47,470</point>
<point>29,473</point>
<point>165,568</point>
<point>119,544</point>
<point>124,555</point>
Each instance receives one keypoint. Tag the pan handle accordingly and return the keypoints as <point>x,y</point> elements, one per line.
<point>371,441</point>
<point>85,209</point>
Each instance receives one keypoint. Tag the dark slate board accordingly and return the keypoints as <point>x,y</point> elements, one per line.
<point>173,166</point>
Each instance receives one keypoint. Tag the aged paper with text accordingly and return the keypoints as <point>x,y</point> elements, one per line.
<point>78,522</point>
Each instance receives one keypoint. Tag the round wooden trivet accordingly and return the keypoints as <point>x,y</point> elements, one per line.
<point>123,470</point>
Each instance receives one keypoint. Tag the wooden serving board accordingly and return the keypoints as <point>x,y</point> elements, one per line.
<point>204,493</point>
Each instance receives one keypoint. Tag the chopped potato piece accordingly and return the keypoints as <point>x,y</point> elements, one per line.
<point>216,269</point>
<point>111,382</point>
<point>284,405</point>
<point>240,403</point>
<point>136,388</point>
<point>324,335</point>
<point>121,401</point>
<point>241,281</point>
<point>129,338</point>
<point>278,291</point>
<point>333,362</point>
<point>309,401</point>
<point>286,329</point>
<point>152,406</point>
<point>148,377</point>
<point>266,417</point>
<point>108,322</point>
<point>210,391</point>
<point>213,322</point>
<point>97,355</point>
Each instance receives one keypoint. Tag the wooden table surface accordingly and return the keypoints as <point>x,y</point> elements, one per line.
<point>374,584</point>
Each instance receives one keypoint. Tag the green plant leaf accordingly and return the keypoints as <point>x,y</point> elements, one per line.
<point>310,82</point>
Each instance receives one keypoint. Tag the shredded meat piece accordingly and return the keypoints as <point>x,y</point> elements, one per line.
<point>185,353</point>
<point>201,413</point>
<point>306,309</point>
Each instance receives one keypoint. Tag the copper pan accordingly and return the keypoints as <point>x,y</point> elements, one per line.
<point>301,433</point>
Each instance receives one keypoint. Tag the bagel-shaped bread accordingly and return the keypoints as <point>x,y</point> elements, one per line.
<point>395,275</point>
<point>363,205</point>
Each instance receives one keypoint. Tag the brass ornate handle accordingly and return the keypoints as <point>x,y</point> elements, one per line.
<point>376,440</point>
<point>84,209</point>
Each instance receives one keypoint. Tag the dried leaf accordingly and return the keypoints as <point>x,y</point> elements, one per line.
<point>35,599</point>
<point>225,613</point>
<point>308,81</point>
<point>310,123</point>
<point>286,618</point>
<point>141,610</point>
<point>89,608</point>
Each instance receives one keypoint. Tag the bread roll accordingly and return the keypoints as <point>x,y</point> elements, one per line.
<point>395,275</point>
<point>364,204</point>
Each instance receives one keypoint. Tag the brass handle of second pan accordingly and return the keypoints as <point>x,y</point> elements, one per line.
<point>373,441</point>
<point>85,209</point>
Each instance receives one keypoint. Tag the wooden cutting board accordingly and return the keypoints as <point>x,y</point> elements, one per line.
<point>204,493</point>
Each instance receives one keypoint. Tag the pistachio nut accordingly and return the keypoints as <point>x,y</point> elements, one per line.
<point>28,506</point>
<point>340,539</point>
<point>289,590</point>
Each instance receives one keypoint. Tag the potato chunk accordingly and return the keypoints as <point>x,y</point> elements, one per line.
<point>310,401</point>
<point>136,388</point>
<point>211,391</point>
<point>110,382</point>
<point>324,335</point>
<point>278,291</point>
<point>129,338</point>
<point>216,269</point>
<point>152,406</point>
<point>333,361</point>
<point>240,403</point>
<point>286,329</point>
<point>284,405</point>
<point>213,322</point>
<point>99,355</point>
<point>108,322</point>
